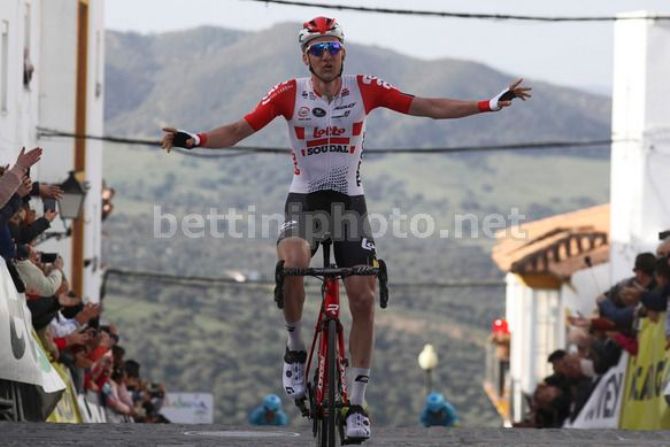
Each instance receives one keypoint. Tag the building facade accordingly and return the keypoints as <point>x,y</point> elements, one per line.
<point>52,77</point>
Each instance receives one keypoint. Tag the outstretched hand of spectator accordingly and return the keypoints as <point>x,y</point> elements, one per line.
<point>65,300</point>
<point>50,191</point>
<point>76,338</point>
<point>25,187</point>
<point>27,159</point>
<point>631,295</point>
<point>50,215</point>
<point>59,263</point>
<point>579,321</point>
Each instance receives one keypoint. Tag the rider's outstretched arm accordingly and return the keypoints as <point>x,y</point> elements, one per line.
<point>443,108</point>
<point>228,135</point>
<point>225,136</point>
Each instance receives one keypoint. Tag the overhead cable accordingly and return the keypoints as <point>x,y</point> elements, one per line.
<point>462,15</point>
<point>190,280</point>
<point>247,150</point>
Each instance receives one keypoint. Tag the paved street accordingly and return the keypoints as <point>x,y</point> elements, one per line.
<point>103,435</point>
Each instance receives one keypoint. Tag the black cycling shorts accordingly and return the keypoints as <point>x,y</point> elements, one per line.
<point>342,218</point>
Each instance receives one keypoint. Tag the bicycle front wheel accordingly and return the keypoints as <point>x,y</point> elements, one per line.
<point>332,381</point>
<point>326,423</point>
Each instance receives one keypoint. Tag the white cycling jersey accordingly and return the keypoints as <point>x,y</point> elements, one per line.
<point>327,137</point>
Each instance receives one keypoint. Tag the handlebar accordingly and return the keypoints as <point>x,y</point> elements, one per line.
<point>332,272</point>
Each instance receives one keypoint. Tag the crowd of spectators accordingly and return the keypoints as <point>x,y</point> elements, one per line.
<point>597,342</point>
<point>69,327</point>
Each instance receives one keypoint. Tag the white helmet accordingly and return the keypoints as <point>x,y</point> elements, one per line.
<point>319,27</point>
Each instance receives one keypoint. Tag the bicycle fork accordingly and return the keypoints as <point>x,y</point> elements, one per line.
<point>330,310</point>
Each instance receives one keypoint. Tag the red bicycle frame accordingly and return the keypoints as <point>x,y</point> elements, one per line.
<point>330,310</point>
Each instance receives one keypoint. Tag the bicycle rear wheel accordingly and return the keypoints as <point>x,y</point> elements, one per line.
<point>326,425</point>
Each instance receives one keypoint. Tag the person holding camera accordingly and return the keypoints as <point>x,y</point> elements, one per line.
<point>36,281</point>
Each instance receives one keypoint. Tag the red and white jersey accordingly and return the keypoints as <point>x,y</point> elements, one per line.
<point>327,137</point>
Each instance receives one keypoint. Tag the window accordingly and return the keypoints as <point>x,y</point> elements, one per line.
<point>28,67</point>
<point>4,65</point>
<point>98,61</point>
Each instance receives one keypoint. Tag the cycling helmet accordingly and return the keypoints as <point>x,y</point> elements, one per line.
<point>434,401</point>
<point>319,27</point>
<point>272,402</point>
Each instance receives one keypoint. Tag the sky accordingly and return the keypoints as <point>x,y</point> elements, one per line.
<point>571,54</point>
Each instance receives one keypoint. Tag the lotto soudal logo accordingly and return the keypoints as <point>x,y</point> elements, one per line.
<point>303,112</point>
<point>343,148</point>
<point>345,92</point>
<point>330,131</point>
<point>318,112</point>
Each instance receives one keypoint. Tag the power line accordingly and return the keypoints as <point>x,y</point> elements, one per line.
<point>248,150</point>
<point>190,280</point>
<point>462,15</point>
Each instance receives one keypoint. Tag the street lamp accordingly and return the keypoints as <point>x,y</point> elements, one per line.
<point>73,198</point>
<point>428,362</point>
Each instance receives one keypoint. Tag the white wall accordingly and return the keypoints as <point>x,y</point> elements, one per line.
<point>57,111</point>
<point>50,102</point>
<point>536,323</point>
<point>640,167</point>
<point>17,123</point>
<point>95,124</point>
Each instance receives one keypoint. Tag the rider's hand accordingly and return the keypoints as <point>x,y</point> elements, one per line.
<point>504,98</point>
<point>181,138</point>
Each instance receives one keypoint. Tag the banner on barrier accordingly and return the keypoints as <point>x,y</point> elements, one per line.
<point>603,408</point>
<point>189,408</point>
<point>22,358</point>
<point>67,410</point>
<point>644,406</point>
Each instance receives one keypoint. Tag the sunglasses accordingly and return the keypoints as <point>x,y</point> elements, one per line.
<point>318,49</point>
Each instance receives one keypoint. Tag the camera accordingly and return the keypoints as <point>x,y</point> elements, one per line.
<point>49,204</point>
<point>48,258</point>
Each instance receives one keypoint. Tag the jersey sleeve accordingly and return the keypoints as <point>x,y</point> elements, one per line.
<point>280,100</point>
<point>378,93</point>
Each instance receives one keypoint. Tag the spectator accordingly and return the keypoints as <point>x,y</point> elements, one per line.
<point>10,179</point>
<point>117,399</point>
<point>618,305</point>
<point>550,404</point>
<point>38,283</point>
<point>663,249</point>
<point>555,357</point>
<point>270,412</point>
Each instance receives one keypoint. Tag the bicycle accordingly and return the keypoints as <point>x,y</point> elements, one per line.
<point>327,391</point>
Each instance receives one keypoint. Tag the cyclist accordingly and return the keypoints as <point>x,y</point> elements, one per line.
<point>438,412</point>
<point>269,412</point>
<point>326,117</point>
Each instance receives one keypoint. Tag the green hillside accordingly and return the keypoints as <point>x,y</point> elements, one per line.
<point>229,340</point>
